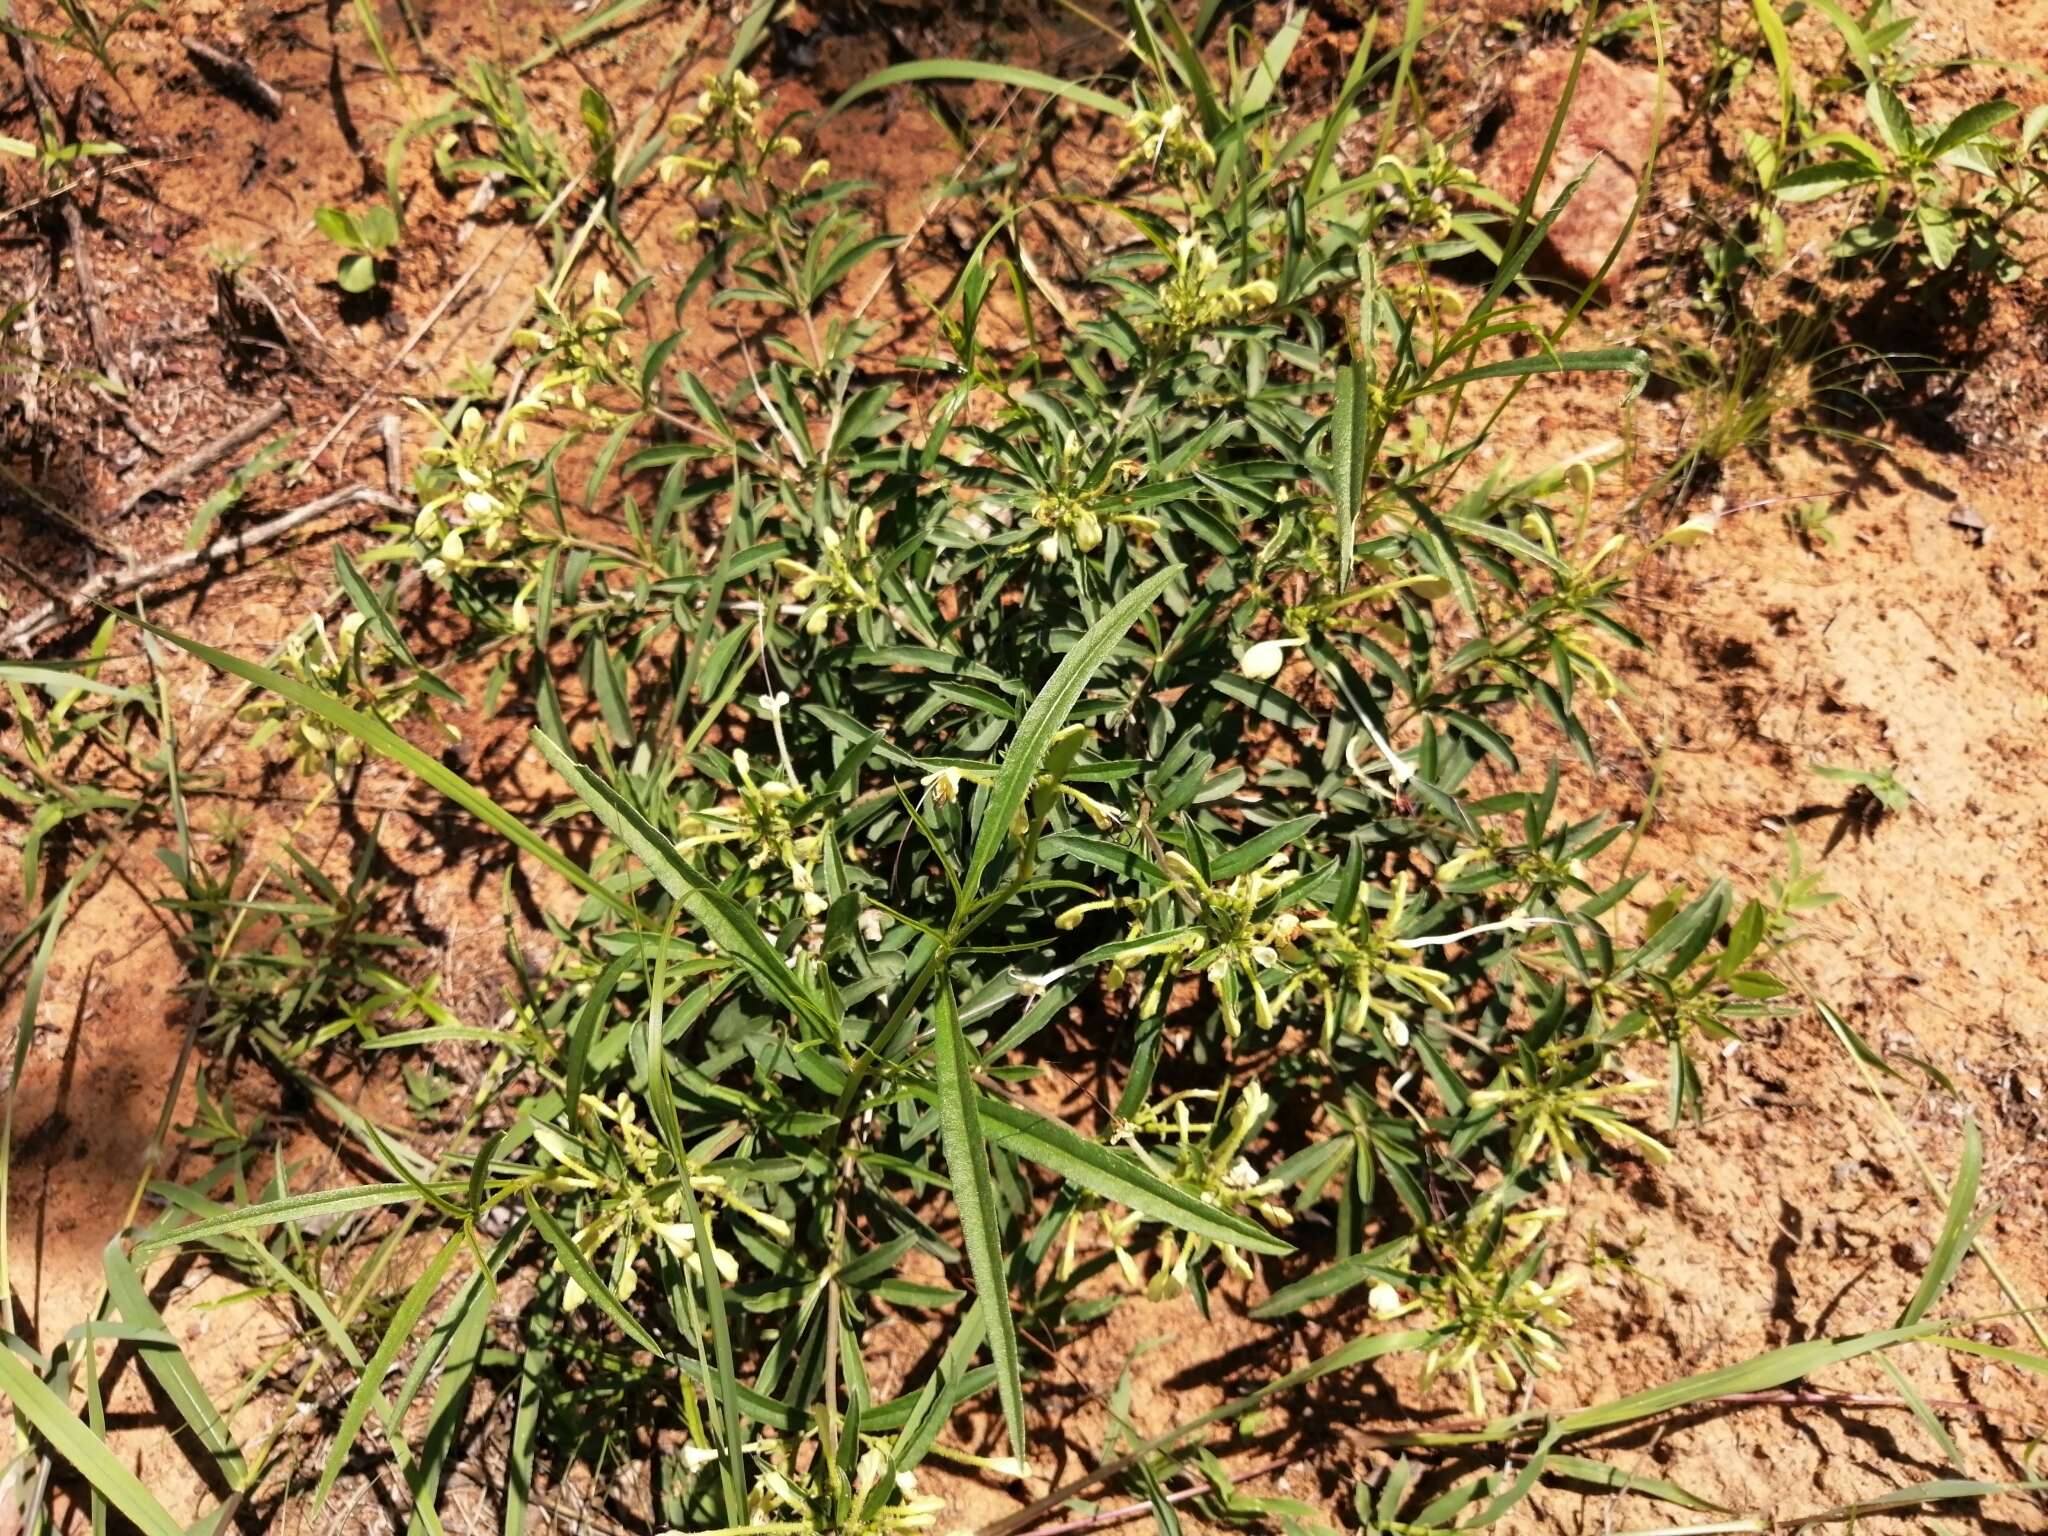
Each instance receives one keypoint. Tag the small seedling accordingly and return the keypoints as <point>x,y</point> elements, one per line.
<point>1882,785</point>
<point>1813,524</point>
<point>366,239</point>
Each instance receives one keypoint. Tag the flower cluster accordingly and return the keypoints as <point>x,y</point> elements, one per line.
<point>342,665</point>
<point>1071,502</point>
<point>578,344</point>
<point>634,1210</point>
<point>843,583</point>
<point>767,822</point>
<point>473,491</point>
<point>1197,294</point>
<point>1495,1316</point>
<point>1203,1156</point>
<point>1169,140</point>
<point>725,140</point>
<point>1374,961</point>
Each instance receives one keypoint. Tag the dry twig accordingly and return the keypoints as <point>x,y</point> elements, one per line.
<point>207,455</point>
<point>237,73</point>
<point>116,583</point>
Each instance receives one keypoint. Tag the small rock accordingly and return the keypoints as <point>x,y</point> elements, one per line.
<point>1967,518</point>
<point>1608,127</point>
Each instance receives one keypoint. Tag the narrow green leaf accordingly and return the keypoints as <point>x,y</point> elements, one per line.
<point>1048,716</point>
<point>1601,1474</point>
<point>981,1229</point>
<point>1350,454</point>
<point>1115,1176</point>
<point>724,921</point>
<point>1760,1374</point>
<point>1939,1491</point>
<point>578,1268</point>
<point>62,1431</point>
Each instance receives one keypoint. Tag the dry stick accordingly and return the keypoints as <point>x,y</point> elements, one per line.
<point>207,456</point>
<point>238,73</point>
<point>74,239</point>
<point>394,453</point>
<point>116,583</point>
<point>1123,1512</point>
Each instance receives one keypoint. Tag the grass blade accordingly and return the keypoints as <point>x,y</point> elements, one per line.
<point>380,738</point>
<point>1601,1474</point>
<point>976,69</point>
<point>967,1163</point>
<point>292,1208</point>
<point>63,1432</point>
<point>167,1365</point>
<point>370,1385</point>
<point>1766,1371</point>
<point>1956,1230</point>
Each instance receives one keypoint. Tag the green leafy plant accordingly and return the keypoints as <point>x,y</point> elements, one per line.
<point>1175,671</point>
<point>367,240</point>
<point>1911,178</point>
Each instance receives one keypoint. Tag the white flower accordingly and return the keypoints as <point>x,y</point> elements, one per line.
<point>1264,659</point>
<point>1384,1301</point>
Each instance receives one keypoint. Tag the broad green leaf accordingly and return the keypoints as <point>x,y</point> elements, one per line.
<point>1048,716</point>
<point>1823,178</point>
<point>980,1226</point>
<point>1939,233</point>
<point>1351,441</point>
<point>1972,122</point>
<point>1888,115</point>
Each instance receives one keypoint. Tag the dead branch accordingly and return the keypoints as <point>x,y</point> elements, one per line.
<point>117,583</point>
<point>238,75</point>
<point>207,455</point>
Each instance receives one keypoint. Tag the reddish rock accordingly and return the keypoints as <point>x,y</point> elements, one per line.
<point>1610,127</point>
